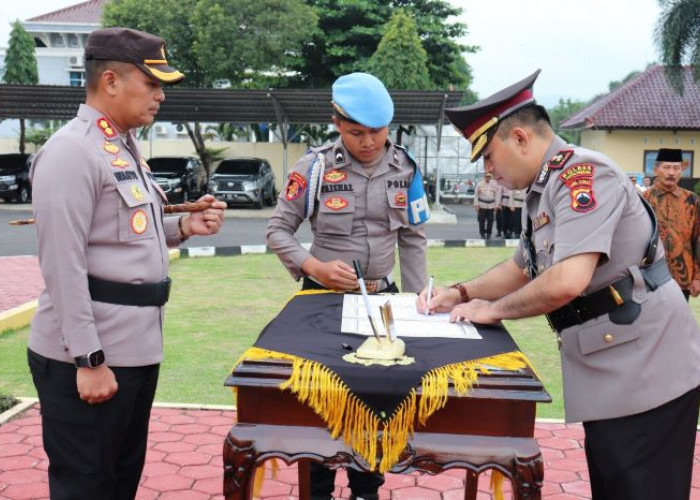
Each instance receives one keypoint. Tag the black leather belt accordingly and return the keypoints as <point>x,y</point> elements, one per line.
<point>129,294</point>
<point>605,300</point>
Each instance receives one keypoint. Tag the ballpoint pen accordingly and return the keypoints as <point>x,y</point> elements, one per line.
<point>363,289</point>
<point>429,295</point>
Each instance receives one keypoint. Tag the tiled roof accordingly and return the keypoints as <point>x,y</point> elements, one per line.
<point>89,12</point>
<point>647,101</point>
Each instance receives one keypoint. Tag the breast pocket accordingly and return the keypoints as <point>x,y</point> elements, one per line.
<point>544,249</point>
<point>135,214</point>
<point>335,214</point>
<point>397,199</point>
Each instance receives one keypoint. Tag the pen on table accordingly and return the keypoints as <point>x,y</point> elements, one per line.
<point>429,295</point>
<point>363,289</point>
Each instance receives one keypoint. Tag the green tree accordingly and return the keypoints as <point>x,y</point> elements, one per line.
<point>349,32</point>
<point>564,109</point>
<point>219,42</point>
<point>677,37</point>
<point>400,60</point>
<point>20,66</point>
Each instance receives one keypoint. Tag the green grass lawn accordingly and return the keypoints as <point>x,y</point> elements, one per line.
<point>219,305</point>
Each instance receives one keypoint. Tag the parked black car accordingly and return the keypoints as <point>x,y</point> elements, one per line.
<point>182,178</point>
<point>14,177</point>
<point>244,180</point>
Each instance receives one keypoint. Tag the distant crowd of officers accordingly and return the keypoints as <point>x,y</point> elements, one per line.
<point>494,202</point>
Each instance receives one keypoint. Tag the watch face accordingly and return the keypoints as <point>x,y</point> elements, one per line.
<point>97,358</point>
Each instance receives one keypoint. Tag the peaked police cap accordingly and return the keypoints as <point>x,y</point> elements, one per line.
<point>478,122</point>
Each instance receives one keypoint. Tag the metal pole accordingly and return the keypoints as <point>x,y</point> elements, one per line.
<point>437,176</point>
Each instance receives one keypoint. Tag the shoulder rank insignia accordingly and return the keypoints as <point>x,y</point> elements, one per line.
<point>110,147</point>
<point>295,186</point>
<point>106,127</point>
<point>579,179</point>
<point>560,159</point>
<point>336,203</point>
<point>339,156</point>
<point>335,176</point>
<point>120,163</point>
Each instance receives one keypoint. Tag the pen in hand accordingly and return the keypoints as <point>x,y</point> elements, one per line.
<point>429,295</point>
<point>363,289</point>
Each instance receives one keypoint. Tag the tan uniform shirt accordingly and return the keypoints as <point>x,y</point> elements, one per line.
<point>516,198</point>
<point>98,212</point>
<point>582,202</point>
<point>485,194</point>
<point>358,216</point>
<point>503,196</point>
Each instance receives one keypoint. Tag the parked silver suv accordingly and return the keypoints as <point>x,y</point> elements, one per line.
<point>244,180</point>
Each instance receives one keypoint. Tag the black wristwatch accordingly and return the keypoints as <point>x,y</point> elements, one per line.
<point>91,359</point>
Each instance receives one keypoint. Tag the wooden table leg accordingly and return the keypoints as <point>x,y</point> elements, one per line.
<point>528,478</point>
<point>471,486</point>
<point>239,468</point>
<point>304,479</point>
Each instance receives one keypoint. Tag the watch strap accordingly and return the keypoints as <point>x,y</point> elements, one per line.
<point>463,295</point>
<point>90,360</point>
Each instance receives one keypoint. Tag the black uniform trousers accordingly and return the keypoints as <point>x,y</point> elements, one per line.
<point>515,226</point>
<point>362,484</point>
<point>95,451</point>
<point>647,456</point>
<point>485,218</point>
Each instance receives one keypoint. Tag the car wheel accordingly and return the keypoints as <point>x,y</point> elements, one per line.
<point>22,194</point>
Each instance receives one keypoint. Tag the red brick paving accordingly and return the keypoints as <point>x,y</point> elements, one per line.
<point>21,281</point>
<point>184,462</point>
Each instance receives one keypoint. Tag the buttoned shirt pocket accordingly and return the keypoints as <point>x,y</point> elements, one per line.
<point>601,336</point>
<point>398,208</point>
<point>544,248</point>
<point>135,215</point>
<point>335,214</point>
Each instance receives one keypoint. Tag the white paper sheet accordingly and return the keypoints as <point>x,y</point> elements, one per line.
<point>409,322</point>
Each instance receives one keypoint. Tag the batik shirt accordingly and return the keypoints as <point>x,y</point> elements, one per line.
<point>678,216</point>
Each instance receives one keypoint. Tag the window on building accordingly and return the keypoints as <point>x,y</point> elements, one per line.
<point>77,78</point>
<point>57,40</point>
<point>73,40</point>
<point>650,157</point>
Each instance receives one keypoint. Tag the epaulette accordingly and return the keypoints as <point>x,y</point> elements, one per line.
<point>554,163</point>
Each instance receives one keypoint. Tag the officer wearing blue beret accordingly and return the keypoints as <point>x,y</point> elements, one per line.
<point>363,196</point>
<point>590,259</point>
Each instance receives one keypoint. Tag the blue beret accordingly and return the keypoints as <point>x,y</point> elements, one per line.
<point>364,99</point>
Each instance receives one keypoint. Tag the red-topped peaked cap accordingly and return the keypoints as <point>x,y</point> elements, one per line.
<point>478,122</point>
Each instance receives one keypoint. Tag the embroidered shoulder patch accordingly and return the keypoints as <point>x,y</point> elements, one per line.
<point>560,159</point>
<point>579,179</point>
<point>106,127</point>
<point>295,186</point>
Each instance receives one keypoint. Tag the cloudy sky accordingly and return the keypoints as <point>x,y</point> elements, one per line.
<point>580,46</point>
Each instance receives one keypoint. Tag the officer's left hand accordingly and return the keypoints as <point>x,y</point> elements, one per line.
<point>207,222</point>
<point>695,288</point>
<point>476,310</point>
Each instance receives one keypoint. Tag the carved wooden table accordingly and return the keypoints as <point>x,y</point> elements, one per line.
<point>491,428</point>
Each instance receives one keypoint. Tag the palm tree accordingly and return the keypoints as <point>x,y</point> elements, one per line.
<point>677,36</point>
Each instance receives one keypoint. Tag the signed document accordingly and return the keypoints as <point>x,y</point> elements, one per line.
<point>408,321</point>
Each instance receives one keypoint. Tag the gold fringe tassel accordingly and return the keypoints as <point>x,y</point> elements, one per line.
<point>497,484</point>
<point>347,416</point>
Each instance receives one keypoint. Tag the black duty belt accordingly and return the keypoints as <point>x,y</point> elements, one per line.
<point>605,300</point>
<point>129,294</point>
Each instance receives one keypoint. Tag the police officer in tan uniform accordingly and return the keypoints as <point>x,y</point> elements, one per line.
<point>514,213</point>
<point>485,202</point>
<point>363,196</point>
<point>591,260</point>
<point>96,338</point>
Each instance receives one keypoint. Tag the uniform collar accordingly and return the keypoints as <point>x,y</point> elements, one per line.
<point>545,172</point>
<point>342,159</point>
